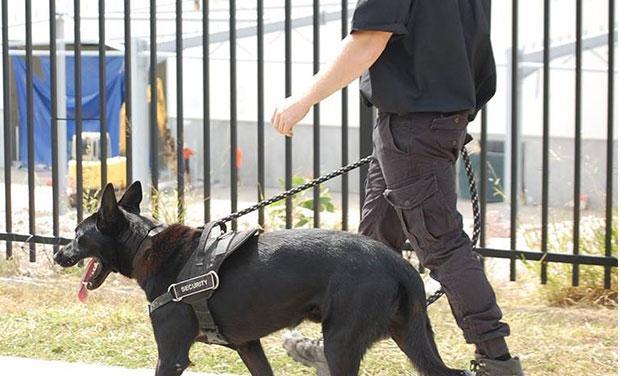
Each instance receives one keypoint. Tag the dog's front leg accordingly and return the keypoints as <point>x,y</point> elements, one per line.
<point>175,328</point>
<point>254,358</point>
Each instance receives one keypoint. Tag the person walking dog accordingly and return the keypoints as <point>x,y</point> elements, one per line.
<point>428,67</point>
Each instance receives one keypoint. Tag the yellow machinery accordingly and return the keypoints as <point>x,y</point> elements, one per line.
<point>91,167</point>
<point>117,166</point>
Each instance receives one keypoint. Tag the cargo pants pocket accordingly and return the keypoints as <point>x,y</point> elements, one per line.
<point>422,210</point>
<point>450,133</point>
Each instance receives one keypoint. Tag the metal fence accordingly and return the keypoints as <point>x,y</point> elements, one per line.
<point>606,260</point>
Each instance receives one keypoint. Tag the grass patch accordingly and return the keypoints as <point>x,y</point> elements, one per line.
<point>42,319</point>
<point>9,267</point>
<point>559,290</point>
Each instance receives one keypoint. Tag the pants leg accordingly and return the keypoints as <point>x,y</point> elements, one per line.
<point>415,170</point>
<point>379,220</point>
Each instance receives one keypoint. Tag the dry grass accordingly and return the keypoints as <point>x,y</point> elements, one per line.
<point>41,318</point>
<point>559,290</point>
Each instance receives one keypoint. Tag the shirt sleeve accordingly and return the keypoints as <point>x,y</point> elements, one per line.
<point>382,15</point>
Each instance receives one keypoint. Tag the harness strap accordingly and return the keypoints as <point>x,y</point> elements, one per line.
<point>207,324</point>
<point>160,301</point>
<point>201,306</point>
<point>168,296</point>
<point>178,291</point>
<point>198,278</point>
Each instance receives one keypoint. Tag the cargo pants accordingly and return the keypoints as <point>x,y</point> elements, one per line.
<point>411,194</point>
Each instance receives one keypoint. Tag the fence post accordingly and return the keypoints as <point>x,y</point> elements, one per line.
<point>140,111</point>
<point>366,123</point>
<point>62,111</point>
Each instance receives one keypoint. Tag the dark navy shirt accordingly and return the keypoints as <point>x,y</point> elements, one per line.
<point>439,58</point>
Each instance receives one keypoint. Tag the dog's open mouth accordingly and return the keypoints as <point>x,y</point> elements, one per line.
<point>94,275</point>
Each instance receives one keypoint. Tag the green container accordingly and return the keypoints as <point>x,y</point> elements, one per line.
<point>495,174</point>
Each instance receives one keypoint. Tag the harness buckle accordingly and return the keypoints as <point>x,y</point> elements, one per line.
<point>180,290</point>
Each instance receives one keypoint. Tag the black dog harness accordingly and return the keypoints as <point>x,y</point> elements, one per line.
<point>199,278</point>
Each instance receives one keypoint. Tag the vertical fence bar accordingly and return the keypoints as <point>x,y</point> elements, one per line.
<point>577,184</point>
<point>366,119</point>
<point>233,109</point>
<point>288,144</point>
<point>103,118</point>
<point>180,117</point>
<point>514,138</point>
<point>79,171</point>
<point>128,83</point>
<point>8,132</point>
<point>54,121</point>
<point>344,135</point>
<point>260,83</point>
<point>610,140</point>
<point>30,135</point>
<point>545,144</point>
<point>206,114</point>
<point>153,118</point>
<point>316,114</point>
<point>483,176</point>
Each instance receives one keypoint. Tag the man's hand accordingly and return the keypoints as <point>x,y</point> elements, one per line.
<point>288,114</point>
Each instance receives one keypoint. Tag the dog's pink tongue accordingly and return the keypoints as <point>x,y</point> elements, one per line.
<point>88,271</point>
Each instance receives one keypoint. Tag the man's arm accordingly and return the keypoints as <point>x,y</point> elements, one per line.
<point>357,53</point>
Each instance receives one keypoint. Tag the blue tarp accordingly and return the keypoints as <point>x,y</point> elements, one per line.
<point>90,103</point>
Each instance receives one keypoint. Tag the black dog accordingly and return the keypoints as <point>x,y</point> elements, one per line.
<point>359,289</point>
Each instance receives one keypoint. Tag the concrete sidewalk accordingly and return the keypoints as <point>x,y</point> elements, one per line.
<point>35,367</point>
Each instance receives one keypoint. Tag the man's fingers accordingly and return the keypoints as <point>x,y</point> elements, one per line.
<point>273,116</point>
<point>284,119</point>
<point>288,130</point>
<point>275,122</point>
<point>278,123</point>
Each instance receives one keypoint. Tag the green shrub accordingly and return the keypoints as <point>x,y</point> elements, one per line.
<point>303,204</point>
<point>90,200</point>
<point>559,289</point>
<point>165,207</point>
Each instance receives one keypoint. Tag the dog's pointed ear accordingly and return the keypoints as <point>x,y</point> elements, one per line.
<point>108,210</point>
<point>132,198</point>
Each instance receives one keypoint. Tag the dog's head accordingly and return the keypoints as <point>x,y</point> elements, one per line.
<point>98,238</point>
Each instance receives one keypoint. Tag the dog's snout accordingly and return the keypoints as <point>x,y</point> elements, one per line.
<point>61,252</point>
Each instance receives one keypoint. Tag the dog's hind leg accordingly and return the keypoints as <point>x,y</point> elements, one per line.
<point>343,356</point>
<point>351,325</point>
<point>254,358</point>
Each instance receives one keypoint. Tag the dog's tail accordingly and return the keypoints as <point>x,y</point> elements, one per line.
<point>414,334</point>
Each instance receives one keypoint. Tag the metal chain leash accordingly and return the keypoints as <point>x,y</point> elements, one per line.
<point>473,192</point>
<point>295,190</point>
<point>321,179</point>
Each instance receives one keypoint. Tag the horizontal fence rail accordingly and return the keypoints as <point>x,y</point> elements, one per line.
<point>145,144</point>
